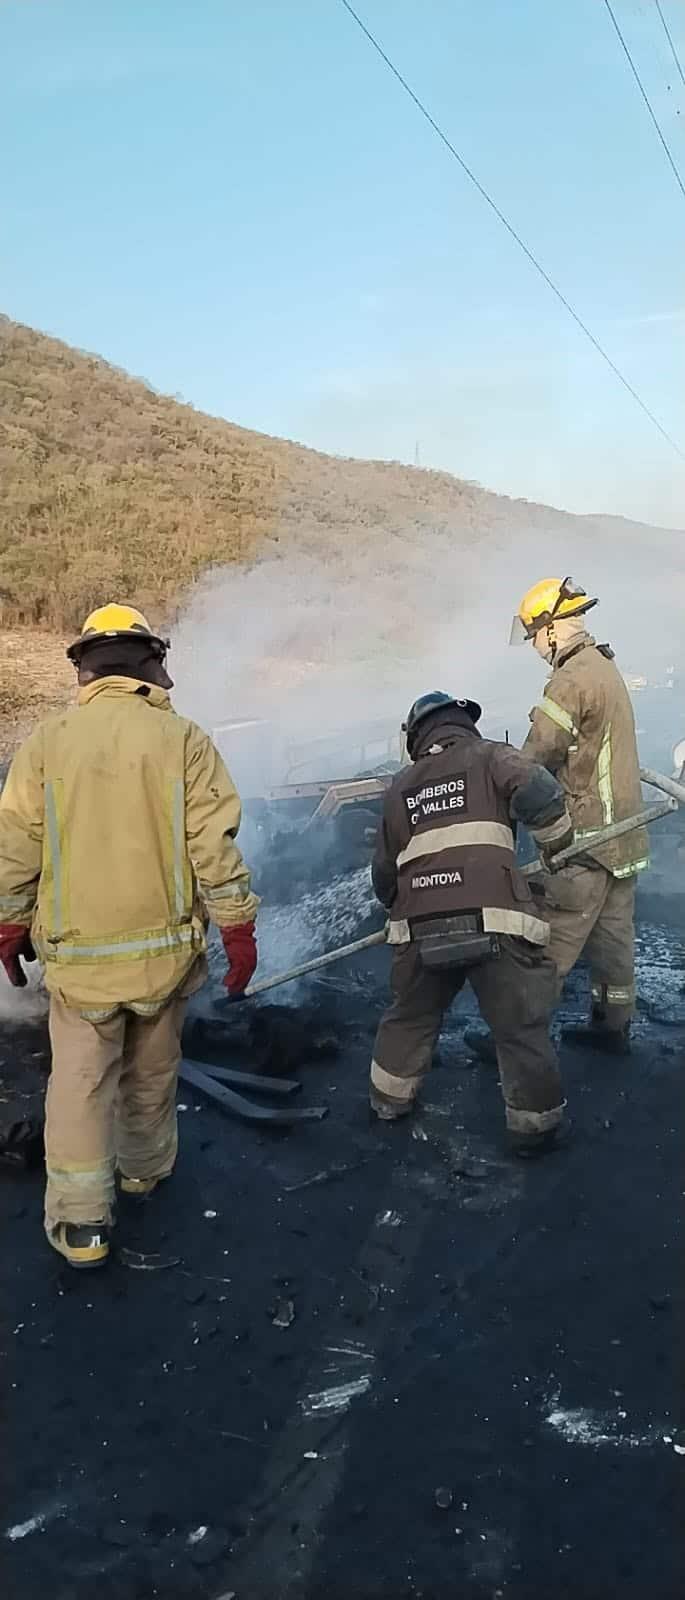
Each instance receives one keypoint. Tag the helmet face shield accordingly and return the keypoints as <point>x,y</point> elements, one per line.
<point>519,632</point>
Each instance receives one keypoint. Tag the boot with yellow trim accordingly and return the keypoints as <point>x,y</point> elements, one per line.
<point>83,1244</point>
<point>141,1187</point>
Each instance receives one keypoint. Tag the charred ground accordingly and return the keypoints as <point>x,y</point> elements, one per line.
<point>506,1335</point>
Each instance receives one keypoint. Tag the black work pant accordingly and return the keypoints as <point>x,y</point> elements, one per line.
<point>516,993</point>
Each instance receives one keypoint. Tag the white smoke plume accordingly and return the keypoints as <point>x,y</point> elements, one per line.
<point>310,645</point>
<point>313,644</point>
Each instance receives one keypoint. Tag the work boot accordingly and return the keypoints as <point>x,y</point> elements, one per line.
<point>83,1244</point>
<point>387,1110</point>
<point>596,1036</point>
<point>138,1186</point>
<point>528,1146</point>
<point>481,1045</point>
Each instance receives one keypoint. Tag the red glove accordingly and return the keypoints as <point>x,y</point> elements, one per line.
<point>241,954</point>
<point>15,942</point>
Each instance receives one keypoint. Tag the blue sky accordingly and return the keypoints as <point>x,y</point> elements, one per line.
<point>237,202</point>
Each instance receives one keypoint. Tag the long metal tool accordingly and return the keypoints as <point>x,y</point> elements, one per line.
<point>613,830</point>
<point>657,780</point>
<point>313,966</point>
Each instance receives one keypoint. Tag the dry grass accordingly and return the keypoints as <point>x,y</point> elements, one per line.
<point>110,490</point>
<point>35,678</point>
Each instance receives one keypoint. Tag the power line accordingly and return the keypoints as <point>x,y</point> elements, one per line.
<point>511,229</point>
<point>646,99</point>
<point>667,32</point>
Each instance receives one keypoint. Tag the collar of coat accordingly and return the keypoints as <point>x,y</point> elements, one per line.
<point>579,642</point>
<point>448,731</point>
<point>114,687</point>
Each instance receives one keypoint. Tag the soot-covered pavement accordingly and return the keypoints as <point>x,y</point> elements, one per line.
<point>366,1360</point>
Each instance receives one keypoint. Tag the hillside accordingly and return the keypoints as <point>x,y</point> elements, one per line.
<point>109,488</point>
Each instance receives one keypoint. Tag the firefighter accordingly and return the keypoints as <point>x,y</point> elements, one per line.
<point>459,909</point>
<point>583,730</point>
<point>117,845</point>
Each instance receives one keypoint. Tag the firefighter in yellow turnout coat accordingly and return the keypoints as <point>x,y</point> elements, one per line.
<point>117,844</point>
<point>583,730</point>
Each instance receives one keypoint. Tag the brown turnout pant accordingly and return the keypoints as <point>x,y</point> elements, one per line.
<point>111,1102</point>
<point>516,993</point>
<point>591,912</point>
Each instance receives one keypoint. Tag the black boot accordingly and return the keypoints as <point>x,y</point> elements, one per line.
<point>481,1045</point>
<point>596,1035</point>
<point>527,1146</point>
<point>387,1110</point>
<point>83,1244</point>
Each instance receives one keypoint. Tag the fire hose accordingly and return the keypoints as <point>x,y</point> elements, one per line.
<point>614,830</point>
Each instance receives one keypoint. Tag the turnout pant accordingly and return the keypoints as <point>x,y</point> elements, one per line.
<point>516,992</point>
<point>111,1102</point>
<point>591,912</point>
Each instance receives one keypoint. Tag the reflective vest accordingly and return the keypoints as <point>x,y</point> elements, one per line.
<point>446,846</point>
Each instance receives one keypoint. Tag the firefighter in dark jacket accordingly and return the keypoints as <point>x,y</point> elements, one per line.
<point>459,909</point>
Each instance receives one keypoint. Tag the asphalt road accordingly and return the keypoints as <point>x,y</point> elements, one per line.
<point>476,1391</point>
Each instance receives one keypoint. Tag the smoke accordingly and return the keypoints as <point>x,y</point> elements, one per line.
<point>317,645</point>
<point>23,1005</point>
<point>313,645</point>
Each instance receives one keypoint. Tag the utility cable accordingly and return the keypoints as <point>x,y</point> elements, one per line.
<point>669,36</point>
<point>646,99</point>
<point>511,230</point>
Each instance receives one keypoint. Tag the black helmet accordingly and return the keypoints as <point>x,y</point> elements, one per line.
<point>427,704</point>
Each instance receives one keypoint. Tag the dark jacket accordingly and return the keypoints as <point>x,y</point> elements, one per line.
<point>583,729</point>
<point>446,842</point>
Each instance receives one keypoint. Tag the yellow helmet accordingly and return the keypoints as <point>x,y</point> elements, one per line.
<point>116,622</point>
<point>547,600</point>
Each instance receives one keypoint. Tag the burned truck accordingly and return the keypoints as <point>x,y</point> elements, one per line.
<point>310,808</point>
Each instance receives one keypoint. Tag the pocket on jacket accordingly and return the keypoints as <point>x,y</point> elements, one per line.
<point>520,887</point>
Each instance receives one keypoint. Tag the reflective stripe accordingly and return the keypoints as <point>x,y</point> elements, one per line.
<point>180,852</point>
<point>455,837</point>
<point>533,1121</point>
<point>225,891</point>
<point>140,1008</point>
<point>554,830</point>
<point>79,1176</point>
<point>631,869</point>
<point>516,923</point>
<point>54,857</point>
<point>613,994</point>
<point>150,944</point>
<point>604,784</point>
<point>395,1088</point>
<point>557,714</point>
<point>616,872</point>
